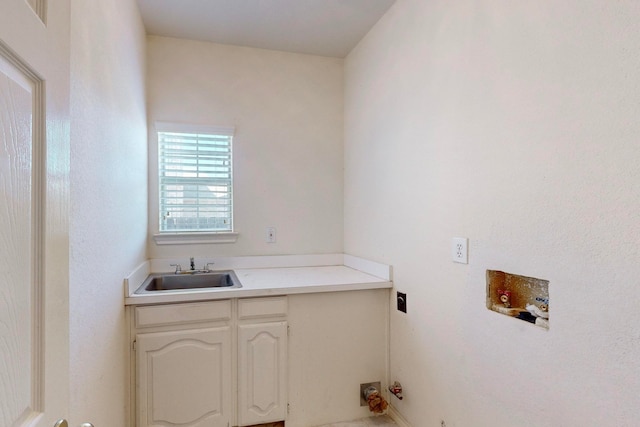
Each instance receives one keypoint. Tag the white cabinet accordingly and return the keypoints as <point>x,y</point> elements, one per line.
<point>262,360</point>
<point>262,366</point>
<point>210,364</point>
<point>184,378</point>
<point>183,364</point>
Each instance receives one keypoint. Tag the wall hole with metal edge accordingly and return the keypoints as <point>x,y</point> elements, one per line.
<point>371,395</point>
<point>521,297</point>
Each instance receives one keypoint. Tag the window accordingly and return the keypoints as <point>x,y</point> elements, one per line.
<point>195,179</point>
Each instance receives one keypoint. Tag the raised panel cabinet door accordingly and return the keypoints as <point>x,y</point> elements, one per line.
<point>184,378</point>
<point>262,368</point>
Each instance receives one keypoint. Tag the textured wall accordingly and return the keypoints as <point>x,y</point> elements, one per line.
<point>108,199</point>
<point>337,342</point>
<point>287,111</point>
<point>514,124</point>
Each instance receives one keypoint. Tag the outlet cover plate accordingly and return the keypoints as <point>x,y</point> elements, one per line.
<point>270,235</point>
<point>460,250</point>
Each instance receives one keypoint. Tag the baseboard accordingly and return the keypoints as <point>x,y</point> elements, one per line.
<point>397,417</point>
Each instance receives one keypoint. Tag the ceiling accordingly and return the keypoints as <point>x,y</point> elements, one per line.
<point>317,27</point>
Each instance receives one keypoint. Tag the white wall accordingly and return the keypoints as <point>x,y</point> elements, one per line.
<point>108,199</point>
<point>337,341</point>
<point>514,124</point>
<point>287,112</point>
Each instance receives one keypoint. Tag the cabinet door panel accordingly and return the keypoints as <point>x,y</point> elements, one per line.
<point>184,378</point>
<point>262,379</point>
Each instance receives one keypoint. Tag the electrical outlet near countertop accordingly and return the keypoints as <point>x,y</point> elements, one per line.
<point>460,250</point>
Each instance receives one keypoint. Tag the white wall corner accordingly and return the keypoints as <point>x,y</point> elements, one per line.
<point>397,417</point>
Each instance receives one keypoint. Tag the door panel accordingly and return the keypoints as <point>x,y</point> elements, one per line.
<point>262,380</point>
<point>184,378</point>
<point>20,310</point>
<point>34,152</point>
<point>38,7</point>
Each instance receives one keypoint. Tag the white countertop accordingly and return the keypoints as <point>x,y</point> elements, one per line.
<point>258,282</point>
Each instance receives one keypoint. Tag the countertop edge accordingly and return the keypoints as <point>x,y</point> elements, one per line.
<point>192,296</point>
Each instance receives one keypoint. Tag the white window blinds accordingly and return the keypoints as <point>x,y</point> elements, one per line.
<point>195,180</point>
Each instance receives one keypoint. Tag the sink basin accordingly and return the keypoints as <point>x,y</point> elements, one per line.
<point>189,282</point>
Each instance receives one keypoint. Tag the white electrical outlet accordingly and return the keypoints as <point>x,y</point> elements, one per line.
<point>270,236</point>
<point>459,250</point>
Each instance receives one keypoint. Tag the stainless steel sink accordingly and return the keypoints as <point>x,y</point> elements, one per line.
<point>189,282</point>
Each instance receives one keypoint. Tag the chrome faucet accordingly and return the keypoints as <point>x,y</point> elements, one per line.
<point>192,269</point>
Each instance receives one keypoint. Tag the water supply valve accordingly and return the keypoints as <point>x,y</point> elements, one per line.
<point>396,389</point>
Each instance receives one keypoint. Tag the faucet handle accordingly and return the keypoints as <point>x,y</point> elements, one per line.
<point>206,267</point>
<point>177,266</point>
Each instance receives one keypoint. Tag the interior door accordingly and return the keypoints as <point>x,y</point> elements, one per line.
<point>34,188</point>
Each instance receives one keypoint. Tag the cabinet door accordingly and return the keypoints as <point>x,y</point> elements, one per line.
<point>262,368</point>
<point>184,378</point>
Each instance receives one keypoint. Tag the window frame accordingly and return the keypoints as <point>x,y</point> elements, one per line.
<point>166,237</point>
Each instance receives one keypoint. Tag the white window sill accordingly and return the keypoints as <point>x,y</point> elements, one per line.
<point>194,238</point>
